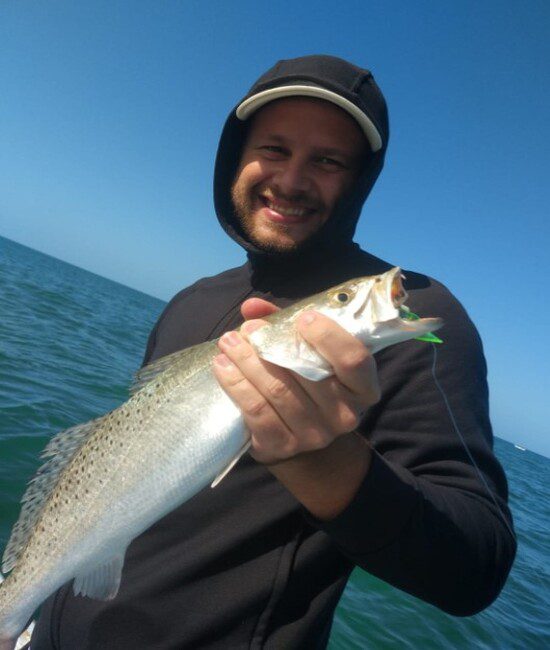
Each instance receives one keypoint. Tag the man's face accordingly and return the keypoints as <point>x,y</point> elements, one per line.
<point>300,157</point>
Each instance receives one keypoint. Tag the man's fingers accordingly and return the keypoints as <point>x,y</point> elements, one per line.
<point>269,435</point>
<point>275,407</point>
<point>341,408</point>
<point>353,364</point>
<point>287,414</point>
<point>275,384</point>
<point>257,308</point>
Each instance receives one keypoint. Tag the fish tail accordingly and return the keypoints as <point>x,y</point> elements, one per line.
<point>9,627</point>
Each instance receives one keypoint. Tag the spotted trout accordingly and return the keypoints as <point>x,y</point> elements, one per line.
<point>106,481</point>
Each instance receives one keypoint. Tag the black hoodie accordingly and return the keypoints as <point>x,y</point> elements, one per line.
<point>244,565</point>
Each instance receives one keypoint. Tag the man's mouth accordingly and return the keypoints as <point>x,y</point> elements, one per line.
<point>286,209</point>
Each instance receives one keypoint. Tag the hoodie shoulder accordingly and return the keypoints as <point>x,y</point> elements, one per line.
<point>429,297</point>
<point>193,313</point>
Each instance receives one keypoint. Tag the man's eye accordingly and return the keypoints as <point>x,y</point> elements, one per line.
<point>272,148</point>
<point>331,162</point>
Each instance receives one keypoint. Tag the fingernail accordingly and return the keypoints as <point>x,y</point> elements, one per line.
<point>231,338</point>
<point>307,317</point>
<point>222,361</point>
<point>250,326</point>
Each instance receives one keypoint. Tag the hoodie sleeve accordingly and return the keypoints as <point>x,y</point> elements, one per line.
<point>424,520</point>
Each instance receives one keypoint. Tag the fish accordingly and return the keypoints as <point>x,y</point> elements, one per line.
<point>106,481</point>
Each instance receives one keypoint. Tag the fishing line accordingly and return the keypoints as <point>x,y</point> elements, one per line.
<point>464,444</point>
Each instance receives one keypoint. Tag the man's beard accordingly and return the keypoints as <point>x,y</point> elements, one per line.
<point>243,203</point>
<point>269,246</point>
<point>274,245</point>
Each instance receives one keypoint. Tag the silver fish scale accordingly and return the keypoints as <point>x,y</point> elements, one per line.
<point>111,491</point>
<point>106,481</point>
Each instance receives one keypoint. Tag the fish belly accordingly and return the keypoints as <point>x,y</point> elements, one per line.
<point>190,442</point>
<point>183,444</point>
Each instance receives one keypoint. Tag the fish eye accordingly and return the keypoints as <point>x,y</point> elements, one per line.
<point>342,297</point>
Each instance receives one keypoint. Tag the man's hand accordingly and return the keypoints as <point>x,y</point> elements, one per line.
<point>298,427</point>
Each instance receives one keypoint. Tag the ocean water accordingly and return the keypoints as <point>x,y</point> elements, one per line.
<point>69,344</point>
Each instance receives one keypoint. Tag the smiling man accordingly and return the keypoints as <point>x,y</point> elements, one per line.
<point>364,468</point>
<point>301,155</point>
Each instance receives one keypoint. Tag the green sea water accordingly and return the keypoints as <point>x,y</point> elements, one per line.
<point>69,344</point>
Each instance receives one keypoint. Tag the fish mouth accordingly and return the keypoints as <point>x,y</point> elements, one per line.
<point>391,290</point>
<point>398,295</point>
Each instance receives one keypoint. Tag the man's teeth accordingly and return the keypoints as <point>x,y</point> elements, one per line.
<point>287,212</point>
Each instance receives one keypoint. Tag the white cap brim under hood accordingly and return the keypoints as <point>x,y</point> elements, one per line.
<point>252,104</point>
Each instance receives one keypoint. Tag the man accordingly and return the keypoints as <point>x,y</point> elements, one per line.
<point>365,468</point>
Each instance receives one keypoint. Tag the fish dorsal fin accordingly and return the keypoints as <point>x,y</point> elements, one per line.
<point>231,464</point>
<point>163,364</point>
<point>59,452</point>
<point>103,581</point>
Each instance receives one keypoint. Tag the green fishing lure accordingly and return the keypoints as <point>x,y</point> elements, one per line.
<point>407,314</point>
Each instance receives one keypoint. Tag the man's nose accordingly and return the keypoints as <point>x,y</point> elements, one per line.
<point>293,177</point>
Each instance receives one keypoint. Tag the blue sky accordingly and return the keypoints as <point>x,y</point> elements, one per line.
<point>110,112</point>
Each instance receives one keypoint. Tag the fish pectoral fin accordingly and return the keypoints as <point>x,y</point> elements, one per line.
<point>231,465</point>
<point>313,373</point>
<point>292,353</point>
<point>304,367</point>
<point>103,581</point>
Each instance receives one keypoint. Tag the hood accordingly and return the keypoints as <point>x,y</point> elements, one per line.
<point>326,77</point>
